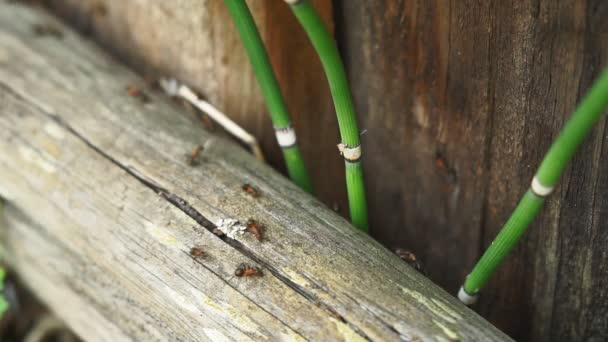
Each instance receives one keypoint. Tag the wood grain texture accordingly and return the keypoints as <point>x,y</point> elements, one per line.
<point>486,86</point>
<point>196,42</point>
<point>425,111</point>
<point>104,208</point>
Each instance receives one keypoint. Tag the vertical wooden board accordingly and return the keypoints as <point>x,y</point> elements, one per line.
<point>425,106</point>
<point>515,149</point>
<point>547,55</point>
<point>580,295</point>
<point>485,87</point>
<point>196,42</point>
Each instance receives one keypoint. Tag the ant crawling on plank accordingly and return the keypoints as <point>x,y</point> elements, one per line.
<point>411,259</point>
<point>248,271</point>
<point>256,228</point>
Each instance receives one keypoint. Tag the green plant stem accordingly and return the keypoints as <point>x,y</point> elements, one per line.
<point>576,129</point>
<point>270,87</point>
<point>516,226</point>
<point>3,301</point>
<point>347,122</point>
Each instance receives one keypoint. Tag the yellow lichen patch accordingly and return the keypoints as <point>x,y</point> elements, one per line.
<point>33,157</point>
<point>212,304</point>
<point>292,336</point>
<point>242,321</point>
<point>434,306</point>
<point>447,309</point>
<point>51,149</point>
<point>160,234</point>
<point>346,332</point>
<point>245,323</point>
<point>216,335</point>
<point>452,336</point>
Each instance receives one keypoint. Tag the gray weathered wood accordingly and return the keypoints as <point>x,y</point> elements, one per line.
<point>103,209</point>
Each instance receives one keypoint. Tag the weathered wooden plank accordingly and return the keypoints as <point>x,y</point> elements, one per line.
<point>99,184</point>
<point>488,85</point>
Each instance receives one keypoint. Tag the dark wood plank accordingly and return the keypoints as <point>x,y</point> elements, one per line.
<point>496,81</point>
<point>547,54</point>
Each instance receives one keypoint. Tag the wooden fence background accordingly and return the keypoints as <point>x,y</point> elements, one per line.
<point>460,100</point>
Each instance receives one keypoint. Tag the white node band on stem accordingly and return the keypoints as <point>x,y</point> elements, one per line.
<point>286,136</point>
<point>466,298</point>
<point>351,154</point>
<point>540,189</point>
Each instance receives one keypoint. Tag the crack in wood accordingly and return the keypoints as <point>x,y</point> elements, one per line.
<point>189,210</point>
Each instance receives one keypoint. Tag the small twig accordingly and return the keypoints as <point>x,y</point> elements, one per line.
<point>174,88</point>
<point>43,328</point>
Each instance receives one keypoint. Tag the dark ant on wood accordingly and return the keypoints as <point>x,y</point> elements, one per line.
<point>207,122</point>
<point>411,259</point>
<point>198,252</point>
<point>135,92</point>
<point>248,271</point>
<point>249,189</point>
<point>194,159</point>
<point>256,228</point>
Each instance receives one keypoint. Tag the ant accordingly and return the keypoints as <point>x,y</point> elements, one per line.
<point>248,271</point>
<point>249,189</point>
<point>133,91</point>
<point>255,228</point>
<point>198,252</point>
<point>411,259</point>
<point>194,156</point>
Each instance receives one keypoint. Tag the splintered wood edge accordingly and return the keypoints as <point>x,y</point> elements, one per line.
<point>99,183</point>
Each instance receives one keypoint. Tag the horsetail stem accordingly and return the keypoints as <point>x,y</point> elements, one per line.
<point>3,301</point>
<point>577,128</point>
<point>347,121</point>
<point>279,114</point>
